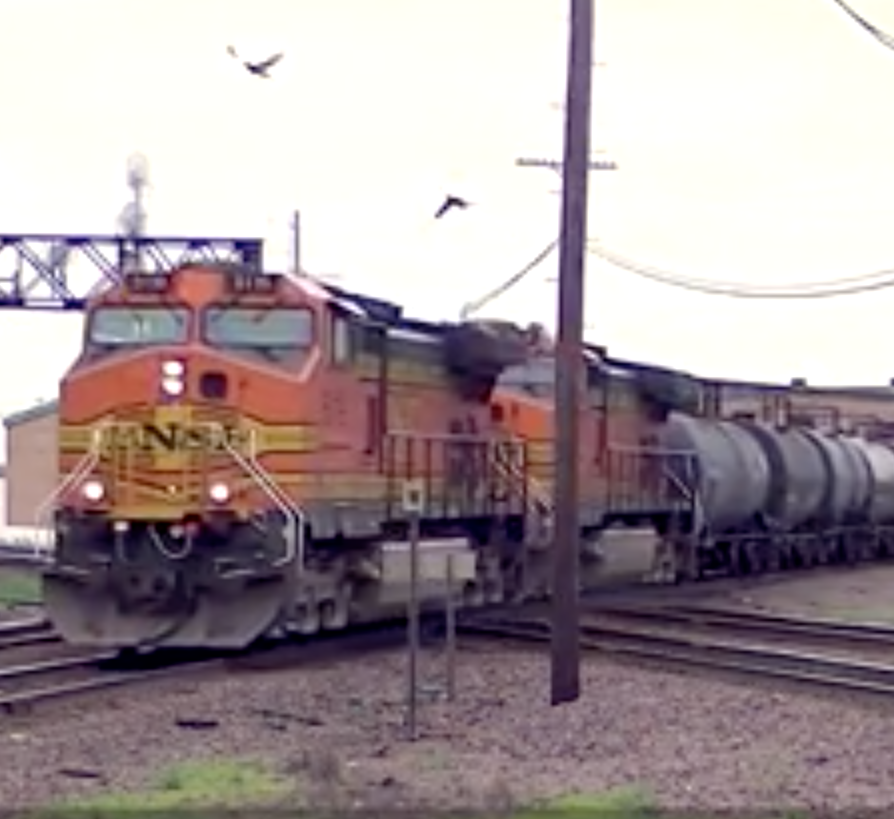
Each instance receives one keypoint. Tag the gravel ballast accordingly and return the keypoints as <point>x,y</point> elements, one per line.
<point>691,742</point>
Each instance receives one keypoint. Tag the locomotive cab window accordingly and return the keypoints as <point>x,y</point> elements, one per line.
<point>265,329</point>
<point>124,326</point>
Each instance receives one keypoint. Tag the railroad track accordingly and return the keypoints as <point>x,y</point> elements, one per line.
<point>30,632</point>
<point>765,626</point>
<point>790,665</point>
<point>26,685</point>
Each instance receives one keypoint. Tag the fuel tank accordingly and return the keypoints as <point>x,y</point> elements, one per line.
<point>850,485</point>
<point>799,478</point>
<point>731,471</point>
<point>880,459</point>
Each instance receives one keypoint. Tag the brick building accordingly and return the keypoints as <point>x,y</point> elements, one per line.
<point>31,462</point>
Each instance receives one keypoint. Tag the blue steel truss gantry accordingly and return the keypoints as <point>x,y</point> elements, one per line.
<point>59,272</point>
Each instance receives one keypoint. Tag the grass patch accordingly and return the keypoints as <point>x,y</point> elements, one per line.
<point>189,787</point>
<point>20,587</point>
<point>623,803</point>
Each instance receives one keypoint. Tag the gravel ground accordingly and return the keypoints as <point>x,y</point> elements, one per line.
<point>693,743</point>
<point>864,593</point>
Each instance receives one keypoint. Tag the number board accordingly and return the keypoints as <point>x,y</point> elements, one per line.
<point>147,283</point>
<point>252,284</point>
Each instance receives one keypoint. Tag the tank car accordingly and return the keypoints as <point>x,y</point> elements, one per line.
<point>778,496</point>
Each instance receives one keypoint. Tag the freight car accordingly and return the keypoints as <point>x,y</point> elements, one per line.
<point>773,497</point>
<point>237,450</point>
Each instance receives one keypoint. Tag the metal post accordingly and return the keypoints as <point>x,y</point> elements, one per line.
<point>413,628</point>
<point>450,628</point>
<point>565,683</point>
<point>296,243</point>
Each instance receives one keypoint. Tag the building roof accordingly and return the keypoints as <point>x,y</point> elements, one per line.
<point>14,419</point>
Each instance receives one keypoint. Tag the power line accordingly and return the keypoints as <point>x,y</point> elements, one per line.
<point>841,287</point>
<point>512,281</point>
<point>800,287</point>
<point>883,37</point>
<point>845,286</point>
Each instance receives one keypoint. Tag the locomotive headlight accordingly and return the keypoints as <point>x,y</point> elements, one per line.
<point>93,491</point>
<point>219,492</point>
<point>172,386</point>
<point>173,369</point>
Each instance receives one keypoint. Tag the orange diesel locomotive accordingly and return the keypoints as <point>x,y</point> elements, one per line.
<point>241,454</point>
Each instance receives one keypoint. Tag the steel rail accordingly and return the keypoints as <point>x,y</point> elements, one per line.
<point>855,676</point>
<point>759,623</point>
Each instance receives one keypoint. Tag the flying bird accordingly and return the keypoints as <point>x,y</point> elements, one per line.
<point>449,203</point>
<point>259,69</point>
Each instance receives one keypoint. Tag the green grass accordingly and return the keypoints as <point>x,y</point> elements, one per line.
<point>201,790</point>
<point>623,803</point>
<point>17,587</point>
<point>189,787</point>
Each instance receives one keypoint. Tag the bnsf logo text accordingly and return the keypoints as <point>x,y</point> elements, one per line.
<point>173,438</point>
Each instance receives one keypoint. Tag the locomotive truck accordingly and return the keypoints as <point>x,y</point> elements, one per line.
<point>240,454</point>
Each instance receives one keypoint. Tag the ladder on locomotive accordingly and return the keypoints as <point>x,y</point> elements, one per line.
<point>539,506</point>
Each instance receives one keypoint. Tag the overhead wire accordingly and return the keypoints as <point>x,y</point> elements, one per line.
<point>834,288</point>
<point>511,282</point>
<point>844,282</point>
<point>883,37</point>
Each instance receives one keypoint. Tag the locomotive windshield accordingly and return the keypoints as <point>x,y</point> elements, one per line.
<point>279,328</point>
<point>121,326</point>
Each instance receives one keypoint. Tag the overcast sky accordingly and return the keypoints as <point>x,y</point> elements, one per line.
<point>754,138</point>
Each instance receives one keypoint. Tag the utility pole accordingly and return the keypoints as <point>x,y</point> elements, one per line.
<point>558,167</point>
<point>565,670</point>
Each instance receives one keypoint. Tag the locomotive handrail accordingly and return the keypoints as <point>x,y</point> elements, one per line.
<point>82,468</point>
<point>295,543</point>
<point>514,470</point>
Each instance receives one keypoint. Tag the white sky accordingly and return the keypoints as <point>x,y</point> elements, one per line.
<point>755,140</point>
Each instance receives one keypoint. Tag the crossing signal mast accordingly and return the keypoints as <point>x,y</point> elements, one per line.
<point>132,220</point>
